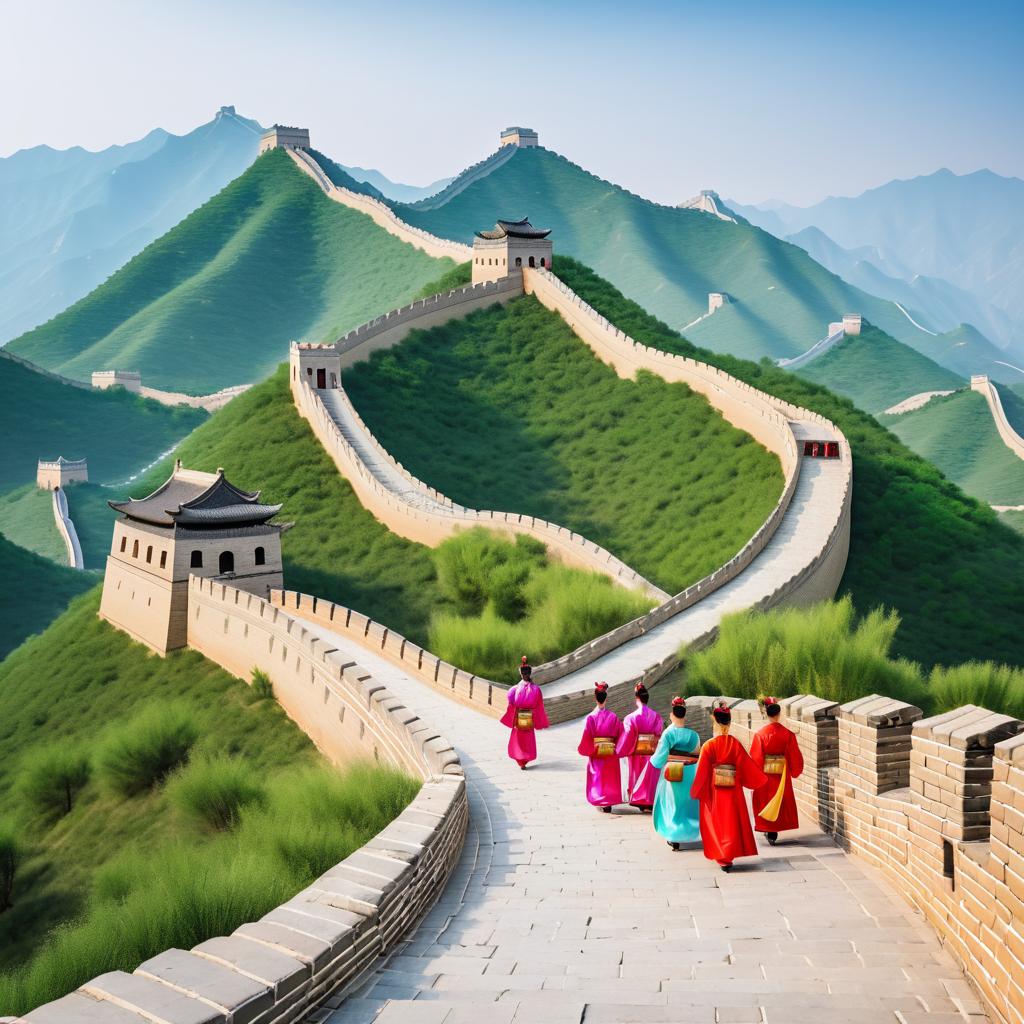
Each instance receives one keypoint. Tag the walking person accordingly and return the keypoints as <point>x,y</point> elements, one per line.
<point>776,752</point>
<point>674,765</point>
<point>524,716</point>
<point>601,733</point>
<point>641,732</point>
<point>723,772</point>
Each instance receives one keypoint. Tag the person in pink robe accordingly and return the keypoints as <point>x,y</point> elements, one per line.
<point>602,731</point>
<point>524,716</point>
<point>641,732</point>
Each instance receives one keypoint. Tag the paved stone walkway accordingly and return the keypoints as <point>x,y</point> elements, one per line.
<point>559,913</point>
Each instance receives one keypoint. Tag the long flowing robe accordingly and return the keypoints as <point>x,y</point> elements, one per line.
<point>642,783</point>
<point>775,738</point>
<point>522,743</point>
<point>676,814</point>
<point>724,817</point>
<point>604,779</point>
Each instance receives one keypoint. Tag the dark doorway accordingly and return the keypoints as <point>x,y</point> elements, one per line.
<point>227,562</point>
<point>321,378</point>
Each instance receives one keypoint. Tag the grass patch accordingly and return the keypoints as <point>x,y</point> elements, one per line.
<point>957,433</point>
<point>52,779</point>
<point>918,543</point>
<point>876,371</point>
<point>524,418</point>
<point>116,431</point>
<point>26,519</point>
<point>119,878</point>
<point>458,277</point>
<point>216,300</point>
<point>510,599</point>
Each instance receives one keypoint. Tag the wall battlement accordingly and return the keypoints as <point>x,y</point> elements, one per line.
<point>936,804</point>
<point>60,472</point>
<point>1010,437</point>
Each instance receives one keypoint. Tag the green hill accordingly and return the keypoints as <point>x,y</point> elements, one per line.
<point>919,544</point>
<point>966,351</point>
<point>956,432</point>
<point>37,592</point>
<point>128,871</point>
<point>116,431</point>
<point>216,300</point>
<point>1012,398</point>
<point>525,418</point>
<point>668,259</point>
<point>876,371</point>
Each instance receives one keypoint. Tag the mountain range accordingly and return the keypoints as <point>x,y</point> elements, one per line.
<point>70,218</point>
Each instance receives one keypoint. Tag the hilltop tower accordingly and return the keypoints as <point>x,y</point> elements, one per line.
<point>194,524</point>
<point>510,246</point>
<point>130,380</point>
<point>524,138</point>
<point>282,136</point>
<point>53,475</point>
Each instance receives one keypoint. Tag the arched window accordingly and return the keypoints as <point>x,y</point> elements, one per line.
<point>124,544</point>
<point>135,550</point>
<point>261,556</point>
<point>163,559</point>
<point>226,562</point>
<point>149,554</point>
<point>519,261</point>
<point>542,262</point>
<point>532,262</point>
<point>196,562</point>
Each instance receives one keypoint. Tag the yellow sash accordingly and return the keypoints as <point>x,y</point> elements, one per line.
<point>771,810</point>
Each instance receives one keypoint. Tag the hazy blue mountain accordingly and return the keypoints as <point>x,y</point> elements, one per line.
<point>70,218</point>
<point>967,229</point>
<point>394,189</point>
<point>931,301</point>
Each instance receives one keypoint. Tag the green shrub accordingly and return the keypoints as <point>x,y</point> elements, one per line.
<point>10,857</point>
<point>184,894</point>
<point>992,686</point>
<point>262,687</point>
<point>139,754</point>
<point>52,778</point>
<point>214,790</point>
<point>823,650</point>
<point>458,277</point>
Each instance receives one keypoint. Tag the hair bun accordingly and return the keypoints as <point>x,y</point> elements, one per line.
<point>601,687</point>
<point>678,702</point>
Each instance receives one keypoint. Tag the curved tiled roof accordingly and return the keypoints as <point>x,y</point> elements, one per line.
<point>514,229</point>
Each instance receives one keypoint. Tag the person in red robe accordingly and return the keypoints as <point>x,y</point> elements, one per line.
<point>524,715</point>
<point>775,751</point>
<point>724,770</point>
<point>602,731</point>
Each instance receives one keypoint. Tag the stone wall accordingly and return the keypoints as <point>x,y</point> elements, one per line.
<point>66,529</point>
<point>382,214</point>
<point>836,333</point>
<point>937,804</point>
<point>11,357</point>
<point>1011,438</point>
<point>276,969</point>
<point>473,173</point>
<point>60,472</point>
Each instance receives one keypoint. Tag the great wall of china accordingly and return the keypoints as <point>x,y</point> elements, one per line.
<point>1010,437</point>
<point>498,895</point>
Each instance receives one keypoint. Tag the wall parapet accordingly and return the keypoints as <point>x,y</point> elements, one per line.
<point>274,970</point>
<point>381,214</point>
<point>936,804</point>
<point>469,176</point>
<point>1010,437</point>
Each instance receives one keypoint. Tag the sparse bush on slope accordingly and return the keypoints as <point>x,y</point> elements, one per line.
<point>142,752</point>
<point>214,790</point>
<point>53,777</point>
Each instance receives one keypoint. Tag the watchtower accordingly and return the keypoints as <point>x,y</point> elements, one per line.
<point>510,246</point>
<point>194,524</point>
<point>130,380</point>
<point>524,138</point>
<point>282,136</point>
<point>61,472</point>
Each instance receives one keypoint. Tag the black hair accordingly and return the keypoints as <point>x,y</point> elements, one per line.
<point>773,710</point>
<point>526,673</point>
<point>679,711</point>
<point>642,695</point>
<point>600,696</point>
<point>723,716</point>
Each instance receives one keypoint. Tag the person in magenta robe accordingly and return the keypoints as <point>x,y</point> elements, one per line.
<point>524,716</point>
<point>641,732</point>
<point>724,770</point>
<point>601,733</point>
<point>775,751</point>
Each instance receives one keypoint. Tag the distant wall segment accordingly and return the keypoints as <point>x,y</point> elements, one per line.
<point>1010,437</point>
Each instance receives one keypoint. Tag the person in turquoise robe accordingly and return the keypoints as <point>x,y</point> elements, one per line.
<point>676,814</point>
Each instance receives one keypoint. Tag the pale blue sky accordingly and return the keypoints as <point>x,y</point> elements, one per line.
<point>772,99</point>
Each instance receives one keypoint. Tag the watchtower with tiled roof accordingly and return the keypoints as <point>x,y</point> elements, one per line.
<point>194,524</point>
<point>508,247</point>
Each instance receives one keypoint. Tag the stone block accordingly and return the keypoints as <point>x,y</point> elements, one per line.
<point>281,972</point>
<point>301,945</point>
<point>81,1008</point>
<point>152,999</point>
<point>242,999</point>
